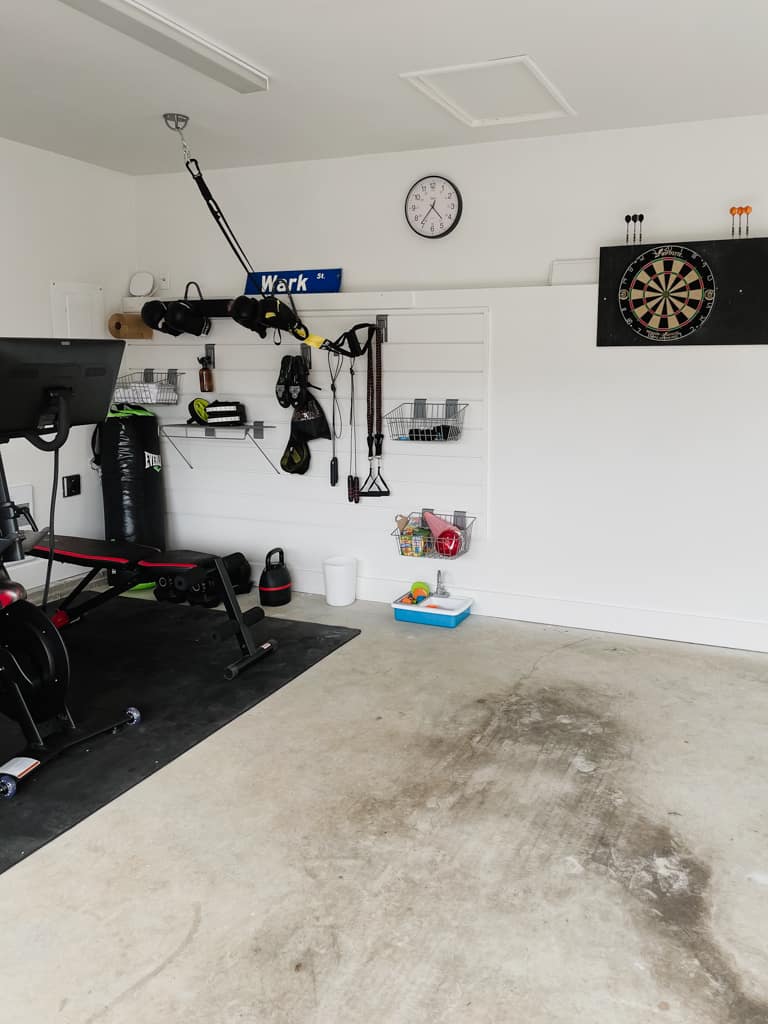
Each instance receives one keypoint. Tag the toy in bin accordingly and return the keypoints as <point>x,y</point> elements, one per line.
<point>419,592</point>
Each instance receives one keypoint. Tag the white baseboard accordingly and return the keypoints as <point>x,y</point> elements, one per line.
<point>660,624</point>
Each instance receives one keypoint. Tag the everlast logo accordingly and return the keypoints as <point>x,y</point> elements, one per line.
<point>152,461</point>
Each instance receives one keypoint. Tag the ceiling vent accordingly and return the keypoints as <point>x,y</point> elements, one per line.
<point>139,22</point>
<point>506,91</point>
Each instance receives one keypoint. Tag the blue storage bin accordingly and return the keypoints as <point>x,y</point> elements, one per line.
<point>446,612</point>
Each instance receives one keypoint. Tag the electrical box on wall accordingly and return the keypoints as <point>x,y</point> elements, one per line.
<point>71,485</point>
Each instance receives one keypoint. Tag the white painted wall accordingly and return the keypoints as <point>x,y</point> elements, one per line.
<point>66,220</point>
<point>233,499</point>
<point>525,203</point>
<point>623,488</point>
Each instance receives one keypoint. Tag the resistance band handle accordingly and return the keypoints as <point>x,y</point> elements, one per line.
<point>334,471</point>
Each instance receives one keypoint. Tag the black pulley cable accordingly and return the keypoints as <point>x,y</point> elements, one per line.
<point>216,212</point>
<point>51,530</point>
<point>336,428</point>
<point>177,123</point>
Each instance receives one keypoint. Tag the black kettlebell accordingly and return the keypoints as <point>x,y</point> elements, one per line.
<point>275,582</point>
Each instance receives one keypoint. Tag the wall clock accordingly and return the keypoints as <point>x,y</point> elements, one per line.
<point>433,206</point>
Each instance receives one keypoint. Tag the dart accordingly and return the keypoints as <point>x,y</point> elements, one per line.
<point>733,220</point>
<point>740,211</point>
<point>747,211</point>
<point>627,219</point>
<point>640,219</point>
<point>634,228</point>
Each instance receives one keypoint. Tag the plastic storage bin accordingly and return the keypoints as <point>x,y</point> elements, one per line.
<point>447,612</point>
<point>340,575</point>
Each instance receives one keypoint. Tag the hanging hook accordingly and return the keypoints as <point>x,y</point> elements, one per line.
<point>177,123</point>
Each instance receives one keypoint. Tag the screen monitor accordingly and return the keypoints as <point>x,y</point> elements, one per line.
<point>35,371</point>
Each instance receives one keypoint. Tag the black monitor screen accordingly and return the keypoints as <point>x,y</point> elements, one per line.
<point>85,371</point>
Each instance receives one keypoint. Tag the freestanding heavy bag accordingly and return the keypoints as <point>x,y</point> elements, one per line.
<point>127,449</point>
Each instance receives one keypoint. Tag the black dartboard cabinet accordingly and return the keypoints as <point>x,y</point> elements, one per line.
<point>684,293</point>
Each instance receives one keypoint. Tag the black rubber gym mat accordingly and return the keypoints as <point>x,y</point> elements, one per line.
<point>159,658</point>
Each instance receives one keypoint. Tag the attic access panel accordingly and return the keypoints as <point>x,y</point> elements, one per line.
<point>683,293</point>
<point>510,90</point>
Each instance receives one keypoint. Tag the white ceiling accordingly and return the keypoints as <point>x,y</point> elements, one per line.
<point>74,86</point>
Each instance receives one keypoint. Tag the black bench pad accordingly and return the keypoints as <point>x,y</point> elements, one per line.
<point>90,553</point>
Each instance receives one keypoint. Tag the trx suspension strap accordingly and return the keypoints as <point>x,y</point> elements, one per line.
<point>177,123</point>
<point>273,313</point>
<point>375,485</point>
<point>197,176</point>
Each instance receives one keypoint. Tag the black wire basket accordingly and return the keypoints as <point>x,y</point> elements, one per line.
<point>421,420</point>
<point>149,387</point>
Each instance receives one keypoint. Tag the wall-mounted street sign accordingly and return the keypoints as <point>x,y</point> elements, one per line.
<point>299,282</point>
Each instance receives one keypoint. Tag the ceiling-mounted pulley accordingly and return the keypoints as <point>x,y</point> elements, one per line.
<point>176,122</point>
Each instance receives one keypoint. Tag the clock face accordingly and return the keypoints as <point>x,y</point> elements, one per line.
<point>433,206</point>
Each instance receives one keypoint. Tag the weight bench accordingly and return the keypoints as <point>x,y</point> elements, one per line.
<point>192,576</point>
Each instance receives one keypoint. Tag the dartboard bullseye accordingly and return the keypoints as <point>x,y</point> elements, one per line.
<point>667,293</point>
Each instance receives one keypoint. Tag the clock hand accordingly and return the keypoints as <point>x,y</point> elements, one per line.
<point>432,207</point>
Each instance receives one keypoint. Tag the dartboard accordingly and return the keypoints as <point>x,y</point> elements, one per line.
<point>667,293</point>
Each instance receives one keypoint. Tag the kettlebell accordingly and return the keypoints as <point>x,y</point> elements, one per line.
<point>275,582</point>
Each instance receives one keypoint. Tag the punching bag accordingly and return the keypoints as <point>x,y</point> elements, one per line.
<point>127,450</point>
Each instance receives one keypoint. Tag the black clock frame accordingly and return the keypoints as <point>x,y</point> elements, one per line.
<point>459,210</point>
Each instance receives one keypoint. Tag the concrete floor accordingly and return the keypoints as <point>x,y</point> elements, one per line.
<point>504,823</point>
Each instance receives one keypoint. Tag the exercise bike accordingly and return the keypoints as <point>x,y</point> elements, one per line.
<point>48,386</point>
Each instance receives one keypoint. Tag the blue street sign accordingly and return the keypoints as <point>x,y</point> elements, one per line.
<point>299,282</point>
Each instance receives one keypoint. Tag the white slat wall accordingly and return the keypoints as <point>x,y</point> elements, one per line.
<point>233,500</point>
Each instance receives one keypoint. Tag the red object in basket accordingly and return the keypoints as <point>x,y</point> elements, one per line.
<point>448,544</point>
<point>437,524</point>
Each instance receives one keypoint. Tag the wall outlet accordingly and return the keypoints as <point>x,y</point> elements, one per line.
<point>71,485</point>
<point>163,282</point>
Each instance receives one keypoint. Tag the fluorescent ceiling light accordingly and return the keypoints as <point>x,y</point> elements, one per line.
<point>153,29</point>
<point>506,91</point>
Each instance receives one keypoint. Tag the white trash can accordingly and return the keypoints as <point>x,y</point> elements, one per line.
<point>340,576</point>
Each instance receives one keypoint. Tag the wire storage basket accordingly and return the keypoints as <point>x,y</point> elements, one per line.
<point>149,387</point>
<point>420,536</point>
<point>421,420</point>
